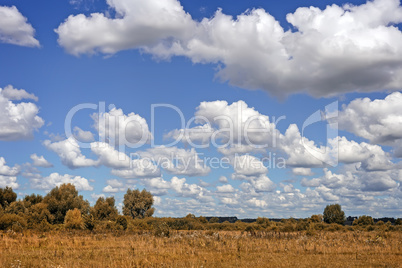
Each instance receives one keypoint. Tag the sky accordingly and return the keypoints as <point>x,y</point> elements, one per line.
<point>218,108</point>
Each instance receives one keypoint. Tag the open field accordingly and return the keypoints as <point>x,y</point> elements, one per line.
<point>201,249</point>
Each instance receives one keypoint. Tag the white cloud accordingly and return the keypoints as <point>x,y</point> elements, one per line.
<point>115,183</point>
<point>9,181</point>
<point>249,165</point>
<point>379,120</point>
<point>302,171</point>
<point>18,121</point>
<point>117,128</point>
<point>11,93</point>
<point>325,54</point>
<point>14,28</point>
<point>177,161</point>
<point>223,179</point>
<point>137,23</point>
<point>56,179</point>
<point>40,161</point>
<point>6,170</point>
<point>110,189</point>
<point>227,188</point>
<point>70,153</point>
<point>122,166</point>
<point>83,136</point>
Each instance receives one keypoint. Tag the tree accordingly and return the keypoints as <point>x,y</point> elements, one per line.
<point>138,204</point>
<point>316,218</point>
<point>17,208</point>
<point>7,196</point>
<point>64,198</point>
<point>334,214</point>
<point>32,199</point>
<point>105,209</point>
<point>363,220</point>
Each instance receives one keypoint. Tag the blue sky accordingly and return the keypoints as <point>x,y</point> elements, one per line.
<point>266,60</point>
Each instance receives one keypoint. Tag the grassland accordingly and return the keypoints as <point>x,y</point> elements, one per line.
<point>201,249</point>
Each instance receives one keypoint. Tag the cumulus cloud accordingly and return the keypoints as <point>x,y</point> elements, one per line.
<point>117,128</point>
<point>40,161</point>
<point>227,188</point>
<point>10,181</point>
<point>14,28</point>
<point>177,161</point>
<point>56,179</point>
<point>302,171</point>
<point>336,50</point>
<point>70,153</point>
<point>18,120</point>
<point>379,120</point>
<point>6,170</point>
<point>83,136</point>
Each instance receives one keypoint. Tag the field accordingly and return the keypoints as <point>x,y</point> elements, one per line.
<point>201,249</point>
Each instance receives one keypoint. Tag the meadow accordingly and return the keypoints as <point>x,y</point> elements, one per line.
<point>201,248</point>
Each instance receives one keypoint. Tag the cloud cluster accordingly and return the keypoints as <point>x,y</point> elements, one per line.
<point>8,175</point>
<point>327,52</point>
<point>14,28</point>
<point>18,120</point>
<point>379,120</point>
<point>56,179</point>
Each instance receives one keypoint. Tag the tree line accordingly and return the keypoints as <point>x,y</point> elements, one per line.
<point>64,208</point>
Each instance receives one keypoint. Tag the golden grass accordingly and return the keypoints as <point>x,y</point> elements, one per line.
<point>201,249</point>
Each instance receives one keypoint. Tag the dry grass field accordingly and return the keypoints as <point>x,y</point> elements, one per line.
<point>201,249</point>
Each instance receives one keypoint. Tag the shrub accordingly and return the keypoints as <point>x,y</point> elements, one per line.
<point>161,229</point>
<point>73,219</point>
<point>213,220</point>
<point>122,221</point>
<point>316,218</point>
<point>7,221</point>
<point>363,221</point>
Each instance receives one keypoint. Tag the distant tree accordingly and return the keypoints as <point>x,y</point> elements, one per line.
<point>105,209</point>
<point>7,196</point>
<point>334,214</point>
<point>138,204</point>
<point>398,221</point>
<point>64,198</point>
<point>213,220</point>
<point>202,219</point>
<point>32,199</point>
<point>74,220</point>
<point>316,218</point>
<point>363,220</point>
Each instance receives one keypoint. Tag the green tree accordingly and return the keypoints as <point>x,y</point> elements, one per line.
<point>7,196</point>
<point>64,198</point>
<point>105,209</point>
<point>334,214</point>
<point>138,204</point>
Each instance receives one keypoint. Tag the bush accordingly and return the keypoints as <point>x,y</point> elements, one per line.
<point>73,219</point>
<point>363,221</point>
<point>213,220</point>
<point>7,221</point>
<point>161,229</point>
<point>122,221</point>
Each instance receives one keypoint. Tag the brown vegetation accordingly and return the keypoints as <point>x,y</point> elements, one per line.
<point>200,249</point>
